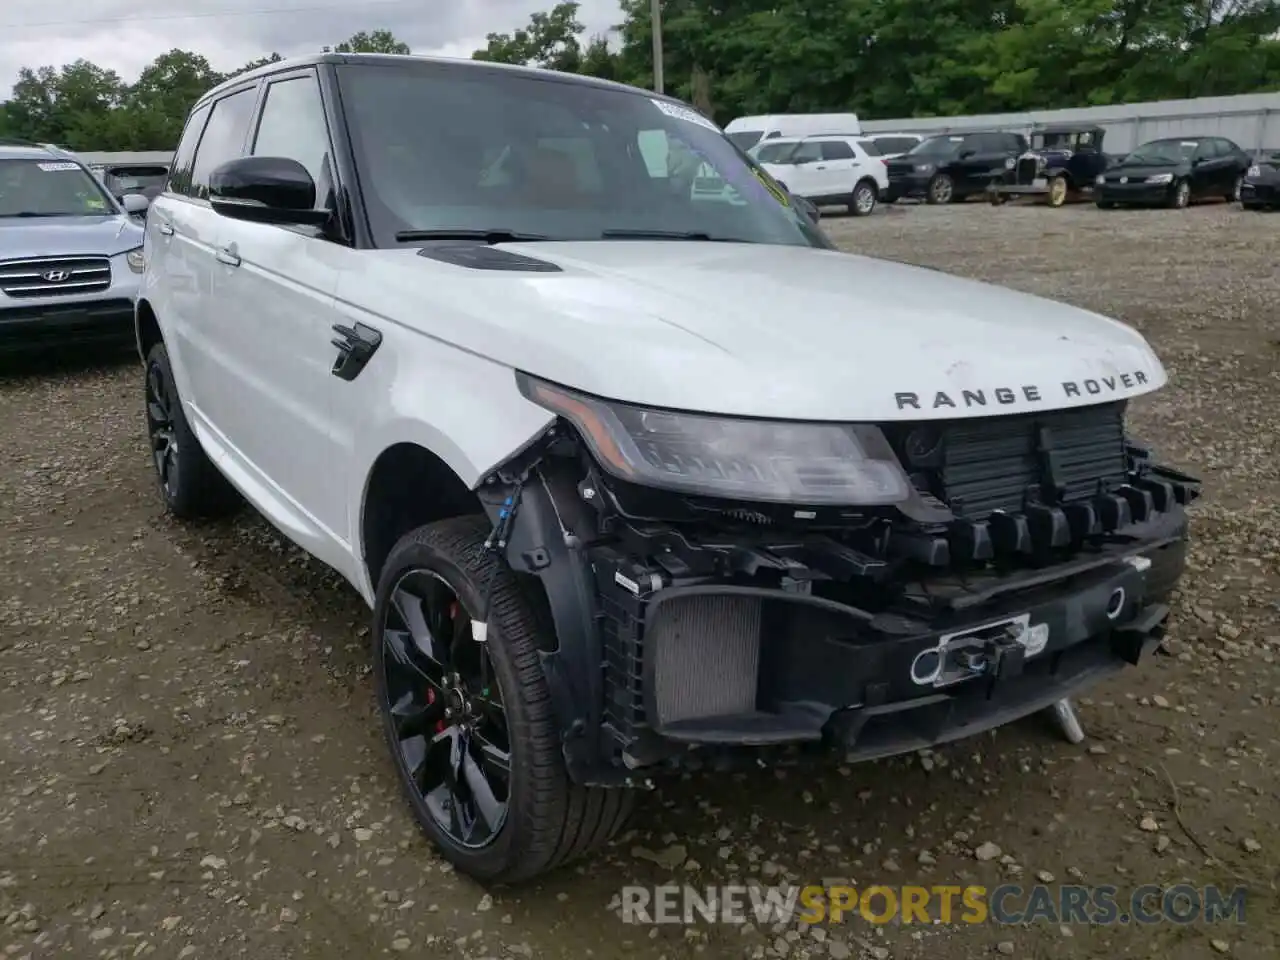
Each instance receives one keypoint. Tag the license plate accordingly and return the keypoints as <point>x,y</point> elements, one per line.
<point>1039,182</point>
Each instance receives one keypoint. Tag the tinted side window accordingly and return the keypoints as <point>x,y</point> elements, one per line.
<point>807,152</point>
<point>180,171</point>
<point>293,125</point>
<point>975,142</point>
<point>223,138</point>
<point>836,150</point>
<point>1012,143</point>
<point>891,145</point>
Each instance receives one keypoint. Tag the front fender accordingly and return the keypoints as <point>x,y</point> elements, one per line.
<point>463,408</point>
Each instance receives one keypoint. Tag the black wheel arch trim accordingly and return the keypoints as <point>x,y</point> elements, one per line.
<point>542,541</point>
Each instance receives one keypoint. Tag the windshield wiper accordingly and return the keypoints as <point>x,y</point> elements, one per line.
<point>485,236</point>
<point>36,213</point>
<point>665,235</point>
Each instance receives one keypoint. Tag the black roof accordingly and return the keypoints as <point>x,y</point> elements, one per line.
<point>409,61</point>
<point>1067,128</point>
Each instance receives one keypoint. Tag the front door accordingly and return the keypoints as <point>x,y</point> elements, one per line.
<point>276,286</point>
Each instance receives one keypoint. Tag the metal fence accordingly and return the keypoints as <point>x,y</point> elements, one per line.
<point>1252,120</point>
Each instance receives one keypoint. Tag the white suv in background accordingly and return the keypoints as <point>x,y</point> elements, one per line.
<point>828,170</point>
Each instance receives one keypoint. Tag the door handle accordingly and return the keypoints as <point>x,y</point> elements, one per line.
<point>356,346</point>
<point>821,166</point>
<point>166,228</point>
<point>228,256</point>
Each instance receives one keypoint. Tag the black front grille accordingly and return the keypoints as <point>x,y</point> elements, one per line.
<point>977,466</point>
<point>54,276</point>
<point>900,168</point>
<point>1028,167</point>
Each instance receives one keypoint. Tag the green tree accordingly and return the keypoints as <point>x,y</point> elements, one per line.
<point>551,40</point>
<point>64,106</point>
<point>255,64</point>
<point>157,105</point>
<point>379,41</point>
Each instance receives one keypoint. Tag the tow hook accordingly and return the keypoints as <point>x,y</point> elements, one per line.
<point>1004,658</point>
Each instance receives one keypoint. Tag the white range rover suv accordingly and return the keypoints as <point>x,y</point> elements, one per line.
<point>631,476</point>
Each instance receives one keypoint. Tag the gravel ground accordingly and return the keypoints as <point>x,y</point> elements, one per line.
<point>190,766</point>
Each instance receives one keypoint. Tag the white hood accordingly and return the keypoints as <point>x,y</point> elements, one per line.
<point>768,331</point>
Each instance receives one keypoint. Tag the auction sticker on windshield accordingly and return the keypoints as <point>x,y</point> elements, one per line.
<point>683,113</point>
<point>49,167</point>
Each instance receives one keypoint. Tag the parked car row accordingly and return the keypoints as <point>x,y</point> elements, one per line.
<point>1058,163</point>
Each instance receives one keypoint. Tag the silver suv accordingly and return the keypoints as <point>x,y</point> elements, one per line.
<point>70,254</point>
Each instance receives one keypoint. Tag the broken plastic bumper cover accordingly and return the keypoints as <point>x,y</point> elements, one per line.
<point>725,666</point>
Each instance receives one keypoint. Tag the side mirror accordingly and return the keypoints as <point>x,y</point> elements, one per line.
<point>808,208</point>
<point>134,203</point>
<point>265,190</point>
<point>966,154</point>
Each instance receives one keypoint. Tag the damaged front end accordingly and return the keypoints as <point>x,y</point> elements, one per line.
<point>726,584</point>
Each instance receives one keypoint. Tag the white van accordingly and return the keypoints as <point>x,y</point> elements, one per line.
<point>746,132</point>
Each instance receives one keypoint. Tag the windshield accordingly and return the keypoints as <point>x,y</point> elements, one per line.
<point>1164,151</point>
<point>774,151</point>
<point>936,147</point>
<point>146,180</point>
<point>443,148</point>
<point>745,139</point>
<point>49,188</point>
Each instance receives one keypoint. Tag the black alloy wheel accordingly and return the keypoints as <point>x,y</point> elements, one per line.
<point>454,745</point>
<point>472,734</point>
<point>160,427</point>
<point>192,487</point>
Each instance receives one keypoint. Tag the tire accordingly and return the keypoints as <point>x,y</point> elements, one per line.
<point>941,189</point>
<point>1234,195</point>
<point>1180,195</point>
<point>862,202</point>
<point>192,487</point>
<point>1058,191</point>
<point>547,820</point>
<point>1252,206</point>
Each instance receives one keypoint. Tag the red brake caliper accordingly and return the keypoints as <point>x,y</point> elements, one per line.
<point>431,694</point>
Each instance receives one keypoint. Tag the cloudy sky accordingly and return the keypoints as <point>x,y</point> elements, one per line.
<point>126,35</point>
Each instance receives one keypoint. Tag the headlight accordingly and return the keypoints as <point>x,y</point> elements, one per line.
<point>773,461</point>
<point>137,260</point>
<point>923,167</point>
<point>1010,163</point>
<point>1254,171</point>
<point>1100,179</point>
<point>1160,178</point>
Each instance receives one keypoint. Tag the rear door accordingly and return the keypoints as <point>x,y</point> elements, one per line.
<point>172,247</point>
<point>1207,169</point>
<point>187,229</point>
<point>838,171</point>
<point>801,173</point>
<point>276,286</point>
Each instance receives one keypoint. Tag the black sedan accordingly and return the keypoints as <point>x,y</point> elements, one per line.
<point>1261,187</point>
<point>1173,173</point>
